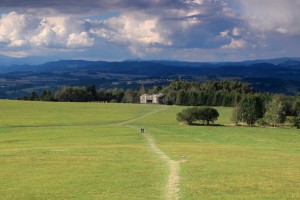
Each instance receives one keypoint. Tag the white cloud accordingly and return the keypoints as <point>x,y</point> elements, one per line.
<point>282,30</point>
<point>80,40</point>
<point>16,54</point>
<point>236,32</point>
<point>224,33</point>
<point>139,32</point>
<point>199,2</point>
<point>132,29</point>
<point>148,28</point>
<point>21,30</point>
<point>187,24</point>
<point>235,44</point>
<point>15,29</point>
<point>273,15</point>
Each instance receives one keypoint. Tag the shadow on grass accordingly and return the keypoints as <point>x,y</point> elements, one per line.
<point>196,124</point>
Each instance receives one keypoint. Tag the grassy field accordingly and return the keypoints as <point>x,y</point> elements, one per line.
<point>75,151</point>
<point>84,151</point>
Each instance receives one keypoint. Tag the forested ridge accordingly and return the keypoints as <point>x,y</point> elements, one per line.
<point>210,93</point>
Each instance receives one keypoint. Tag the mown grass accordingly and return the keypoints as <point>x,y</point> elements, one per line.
<point>230,162</point>
<point>22,113</point>
<point>79,151</point>
<point>75,151</point>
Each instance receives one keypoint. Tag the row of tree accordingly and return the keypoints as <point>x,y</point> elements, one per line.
<point>250,110</point>
<point>211,93</point>
<point>273,112</point>
<point>249,107</point>
<point>86,94</point>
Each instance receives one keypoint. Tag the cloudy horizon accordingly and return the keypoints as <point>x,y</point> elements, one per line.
<point>191,30</point>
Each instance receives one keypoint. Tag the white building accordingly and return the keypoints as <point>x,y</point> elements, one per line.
<point>154,98</point>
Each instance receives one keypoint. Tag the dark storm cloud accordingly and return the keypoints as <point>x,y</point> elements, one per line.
<point>88,6</point>
<point>151,27</point>
<point>144,25</point>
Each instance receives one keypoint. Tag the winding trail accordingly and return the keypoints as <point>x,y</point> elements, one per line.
<point>172,187</point>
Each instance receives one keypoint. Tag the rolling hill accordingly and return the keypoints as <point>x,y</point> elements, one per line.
<point>275,75</point>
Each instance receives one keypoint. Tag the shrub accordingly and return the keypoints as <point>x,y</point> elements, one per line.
<point>193,114</point>
<point>296,122</point>
<point>187,115</point>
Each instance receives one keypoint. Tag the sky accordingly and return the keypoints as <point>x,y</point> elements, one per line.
<point>113,30</point>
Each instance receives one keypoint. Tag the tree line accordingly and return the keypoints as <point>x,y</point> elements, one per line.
<point>275,111</point>
<point>210,93</point>
<point>250,107</point>
<point>86,94</point>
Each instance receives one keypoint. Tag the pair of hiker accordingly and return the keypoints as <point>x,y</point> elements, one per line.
<point>142,130</point>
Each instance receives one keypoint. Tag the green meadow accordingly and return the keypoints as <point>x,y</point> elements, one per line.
<point>95,151</point>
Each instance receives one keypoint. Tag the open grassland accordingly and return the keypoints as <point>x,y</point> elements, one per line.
<point>230,162</point>
<point>87,151</point>
<point>75,151</point>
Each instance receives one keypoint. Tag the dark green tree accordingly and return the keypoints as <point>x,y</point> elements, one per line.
<point>182,98</point>
<point>296,106</point>
<point>201,98</point>
<point>217,99</point>
<point>93,91</point>
<point>188,115</point>
<point>156,89</point>
<point>251,109</point>
<point>209,98</point>
<point>33,96</point>
<point>47,96</point>
<point>170,97</point>
<point>295,121</point>
<point>130,96</point>
<point>192,98</point>
<point>276,110</point>
<point>117,95</point>
<point>101,95</point>
<point>73,94</point>
<point>207,115</point>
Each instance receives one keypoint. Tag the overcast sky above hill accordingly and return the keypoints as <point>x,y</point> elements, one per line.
<point>194,30</point>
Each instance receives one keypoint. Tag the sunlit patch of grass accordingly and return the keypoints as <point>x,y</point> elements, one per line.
<point>75,151</point>
<point>82,151</point>
<point>231,162</point>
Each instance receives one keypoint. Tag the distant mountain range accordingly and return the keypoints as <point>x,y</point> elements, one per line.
<point>19,77</point>
<point>6,61</point>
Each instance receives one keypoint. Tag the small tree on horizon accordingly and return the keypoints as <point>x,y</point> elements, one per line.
<point>33,96</point>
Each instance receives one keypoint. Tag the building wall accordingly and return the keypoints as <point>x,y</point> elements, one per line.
<point>156,98</point>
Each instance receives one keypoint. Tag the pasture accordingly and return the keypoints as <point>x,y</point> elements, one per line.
<point>95,151</point>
